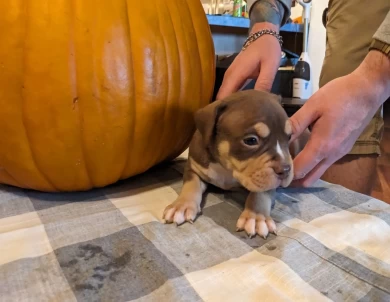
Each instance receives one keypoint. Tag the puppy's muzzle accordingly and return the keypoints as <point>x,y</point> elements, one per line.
<point>282,171</point>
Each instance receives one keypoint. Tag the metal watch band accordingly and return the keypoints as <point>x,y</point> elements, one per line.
<point>380,46</point>
<point>253,37</point>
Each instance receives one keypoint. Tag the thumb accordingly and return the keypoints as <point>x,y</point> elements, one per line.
<point>302,119</point>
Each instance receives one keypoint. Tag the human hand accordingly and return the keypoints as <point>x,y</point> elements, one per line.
<point>338,114</point>
<point>260,60</point>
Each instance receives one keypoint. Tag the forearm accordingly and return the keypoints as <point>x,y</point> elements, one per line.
<point>378,69</point>
<point>377,62</point>
<point>375,70</point>
<point>275,12</point>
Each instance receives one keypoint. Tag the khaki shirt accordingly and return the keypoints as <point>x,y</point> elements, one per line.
<point>383,33</point>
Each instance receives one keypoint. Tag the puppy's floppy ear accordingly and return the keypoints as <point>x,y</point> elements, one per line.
<point>206,119</point>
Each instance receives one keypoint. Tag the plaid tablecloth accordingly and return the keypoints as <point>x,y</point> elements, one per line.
<point>110,245</point>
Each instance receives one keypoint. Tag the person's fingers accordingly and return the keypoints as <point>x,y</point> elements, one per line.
<point>244,67</point>
<point>233,80</point>
<point>303,118</point>
<point>311,155</point>
<point>268,70</point>
<point>314,175</point>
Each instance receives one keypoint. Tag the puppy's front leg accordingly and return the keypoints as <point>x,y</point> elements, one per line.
<point>187,206</point>
<point>256,219</point>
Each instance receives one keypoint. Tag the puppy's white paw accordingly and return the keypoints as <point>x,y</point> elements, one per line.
<point>181,211</point>
<point>255,223</point>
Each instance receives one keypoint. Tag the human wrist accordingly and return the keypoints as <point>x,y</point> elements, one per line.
<point>264,25</point>
<point>259,32</point>
<point>375,70</point>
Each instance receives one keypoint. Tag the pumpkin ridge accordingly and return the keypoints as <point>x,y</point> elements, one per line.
<point>172,24</point>
<point>162,139</point>
<point>29,143</point>
<point>15,182</point>
<point>200,97</point>
<point>131,138</point>
<point>23,113</point>
<point>212,51</point>
<point>177,143</point>
<point>75,88</point>
<point>199,57</point>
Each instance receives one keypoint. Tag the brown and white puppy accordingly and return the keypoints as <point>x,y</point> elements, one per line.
<point>240,141</point>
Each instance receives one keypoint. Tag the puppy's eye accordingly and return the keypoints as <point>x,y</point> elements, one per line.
<point>251,141</point>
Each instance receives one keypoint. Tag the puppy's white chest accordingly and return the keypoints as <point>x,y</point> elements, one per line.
<point>216,175</point>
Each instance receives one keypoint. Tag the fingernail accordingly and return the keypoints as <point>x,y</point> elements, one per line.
<point>299,176</point>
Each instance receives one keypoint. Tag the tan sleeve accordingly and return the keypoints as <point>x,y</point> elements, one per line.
<point>383,32</point>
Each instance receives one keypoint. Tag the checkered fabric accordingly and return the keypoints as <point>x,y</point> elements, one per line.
<point>110,245</point>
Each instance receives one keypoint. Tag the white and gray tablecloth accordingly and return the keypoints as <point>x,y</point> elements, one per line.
<point>111,245</point>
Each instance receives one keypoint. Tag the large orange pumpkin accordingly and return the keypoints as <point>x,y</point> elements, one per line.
<point>96,91</point>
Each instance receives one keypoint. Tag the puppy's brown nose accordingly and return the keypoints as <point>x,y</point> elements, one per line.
<point>282,171</point>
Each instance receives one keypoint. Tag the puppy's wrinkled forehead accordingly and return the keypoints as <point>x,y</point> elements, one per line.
<point>255,113</point>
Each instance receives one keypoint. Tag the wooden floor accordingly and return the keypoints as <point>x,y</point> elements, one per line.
<point>382,187</point>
